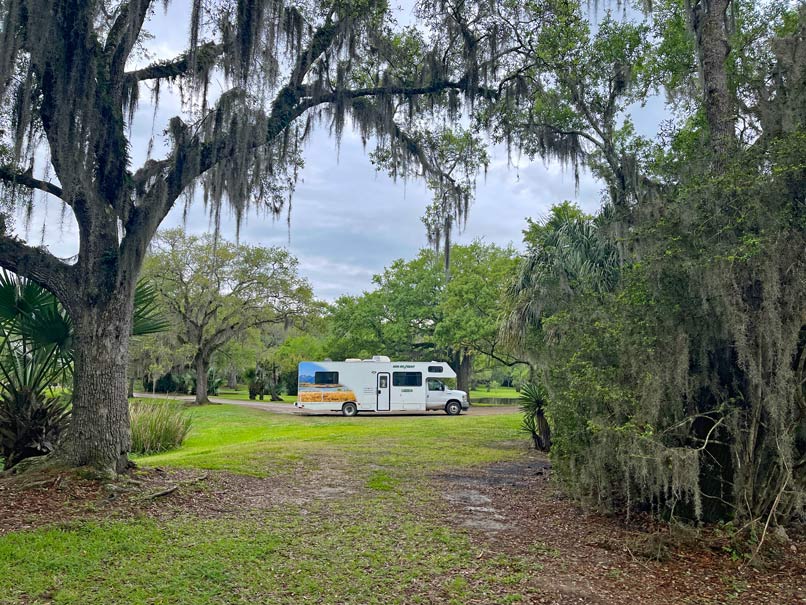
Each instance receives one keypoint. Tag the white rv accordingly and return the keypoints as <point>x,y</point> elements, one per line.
<point>377,385</point>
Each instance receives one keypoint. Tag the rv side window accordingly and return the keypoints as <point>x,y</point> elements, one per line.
<point>326,378</point>
<point>383,382</point>
<point>435,369</point>
<point>407,379</point>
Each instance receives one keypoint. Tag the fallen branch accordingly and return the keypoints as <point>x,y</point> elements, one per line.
<point>161,493</point>
<point>173,488</point>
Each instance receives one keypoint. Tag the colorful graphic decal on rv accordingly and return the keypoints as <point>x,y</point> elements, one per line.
<point>312,391</point>
<point>325,396</point>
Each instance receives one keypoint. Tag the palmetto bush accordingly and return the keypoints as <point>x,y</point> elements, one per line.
<point>32,417</point>
<point>157,427</point>
<point>533,399</point>
<point>36,355</point>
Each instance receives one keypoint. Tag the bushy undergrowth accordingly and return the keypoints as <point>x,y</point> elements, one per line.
<point>158,427</point>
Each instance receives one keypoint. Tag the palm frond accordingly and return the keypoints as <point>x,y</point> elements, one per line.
<point>148,317</point>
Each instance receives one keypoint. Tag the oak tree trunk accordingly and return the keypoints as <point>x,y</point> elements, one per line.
<point>463,362</point>
<point>201,379</point>
<point>99,433</point>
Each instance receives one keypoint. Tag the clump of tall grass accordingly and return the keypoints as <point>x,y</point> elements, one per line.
<point>157,427</point>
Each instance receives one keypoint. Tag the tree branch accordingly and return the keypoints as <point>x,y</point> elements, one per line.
<point>124,33</point>
<point>27,180</point>
<point>408,91</point>
<point>38,265</point>
<point>206,54</point>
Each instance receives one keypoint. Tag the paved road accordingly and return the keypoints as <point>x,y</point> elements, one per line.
<point>288,408</point>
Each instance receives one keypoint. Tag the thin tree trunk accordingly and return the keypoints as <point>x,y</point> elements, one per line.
<point>275,384</point>
<point>543,443</point>
<point>99,435</point>
<point>232,381</point>
<point>201,380</point>
<point>464,367</point>
<point>709,21</point>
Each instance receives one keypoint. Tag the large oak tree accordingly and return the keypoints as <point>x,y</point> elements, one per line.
<point>216,291</point>
<point>71,77</point>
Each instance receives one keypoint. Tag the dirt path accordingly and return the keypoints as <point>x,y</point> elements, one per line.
<point>593,559</point>
<point>288,408</point>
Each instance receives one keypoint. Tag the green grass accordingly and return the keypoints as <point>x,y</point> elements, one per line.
<point>261,444</point>
<point>157,427</point>
<point>331,555</point>
<point>382,542</point>
<point>501,393</point>
<point>243,395</point>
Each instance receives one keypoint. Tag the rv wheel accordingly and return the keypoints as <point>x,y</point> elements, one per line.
<point>349,409</point>
<point>453,408</point>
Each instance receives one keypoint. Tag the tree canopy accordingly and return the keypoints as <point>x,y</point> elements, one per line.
<point>216,291</point>
<point>417,313</point>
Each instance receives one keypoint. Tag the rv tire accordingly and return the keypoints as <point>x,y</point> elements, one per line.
<point>453,408</point>
<point>349,409</point>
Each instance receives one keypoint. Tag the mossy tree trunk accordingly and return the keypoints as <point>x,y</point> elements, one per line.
<point>202,365</point>
<point>99,434</point>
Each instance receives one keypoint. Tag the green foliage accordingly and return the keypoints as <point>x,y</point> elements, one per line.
<point>219,292</point>
<point>35,355</point>
<point>669,331</point>
<point>418,312</point>
<point>158,427</point>
<point>31,417</point>
<point>533,399</point>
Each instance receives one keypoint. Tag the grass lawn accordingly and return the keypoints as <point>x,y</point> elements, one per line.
<point>379,542</point>
<point>252,442</point>
<point>243,395</point>
<point>332,510</point>
<point>499,393</point>
<point>284,557</point>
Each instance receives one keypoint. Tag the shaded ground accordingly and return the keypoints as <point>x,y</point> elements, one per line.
<point>587,558</point>
<point>528,543</point>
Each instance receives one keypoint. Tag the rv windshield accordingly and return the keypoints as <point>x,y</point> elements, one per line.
<point>435,385</point>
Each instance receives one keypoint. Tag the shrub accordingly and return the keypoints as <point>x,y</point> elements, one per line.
<point>533,401</point>
<point>30,424</point>
<point>157,427</point>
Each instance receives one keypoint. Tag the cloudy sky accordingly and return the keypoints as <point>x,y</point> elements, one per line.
<point>348,221</point>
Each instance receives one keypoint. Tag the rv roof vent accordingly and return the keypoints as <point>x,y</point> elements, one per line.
<point>381,358</point>
<point>352,359</point>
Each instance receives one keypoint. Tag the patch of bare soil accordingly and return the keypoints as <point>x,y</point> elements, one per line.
<point>586,558</point>
<point>31,501</point>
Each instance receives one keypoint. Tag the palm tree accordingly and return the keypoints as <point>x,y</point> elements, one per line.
<point>569,257</point>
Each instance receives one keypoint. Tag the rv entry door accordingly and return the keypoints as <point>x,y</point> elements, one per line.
<point>383,392</point>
